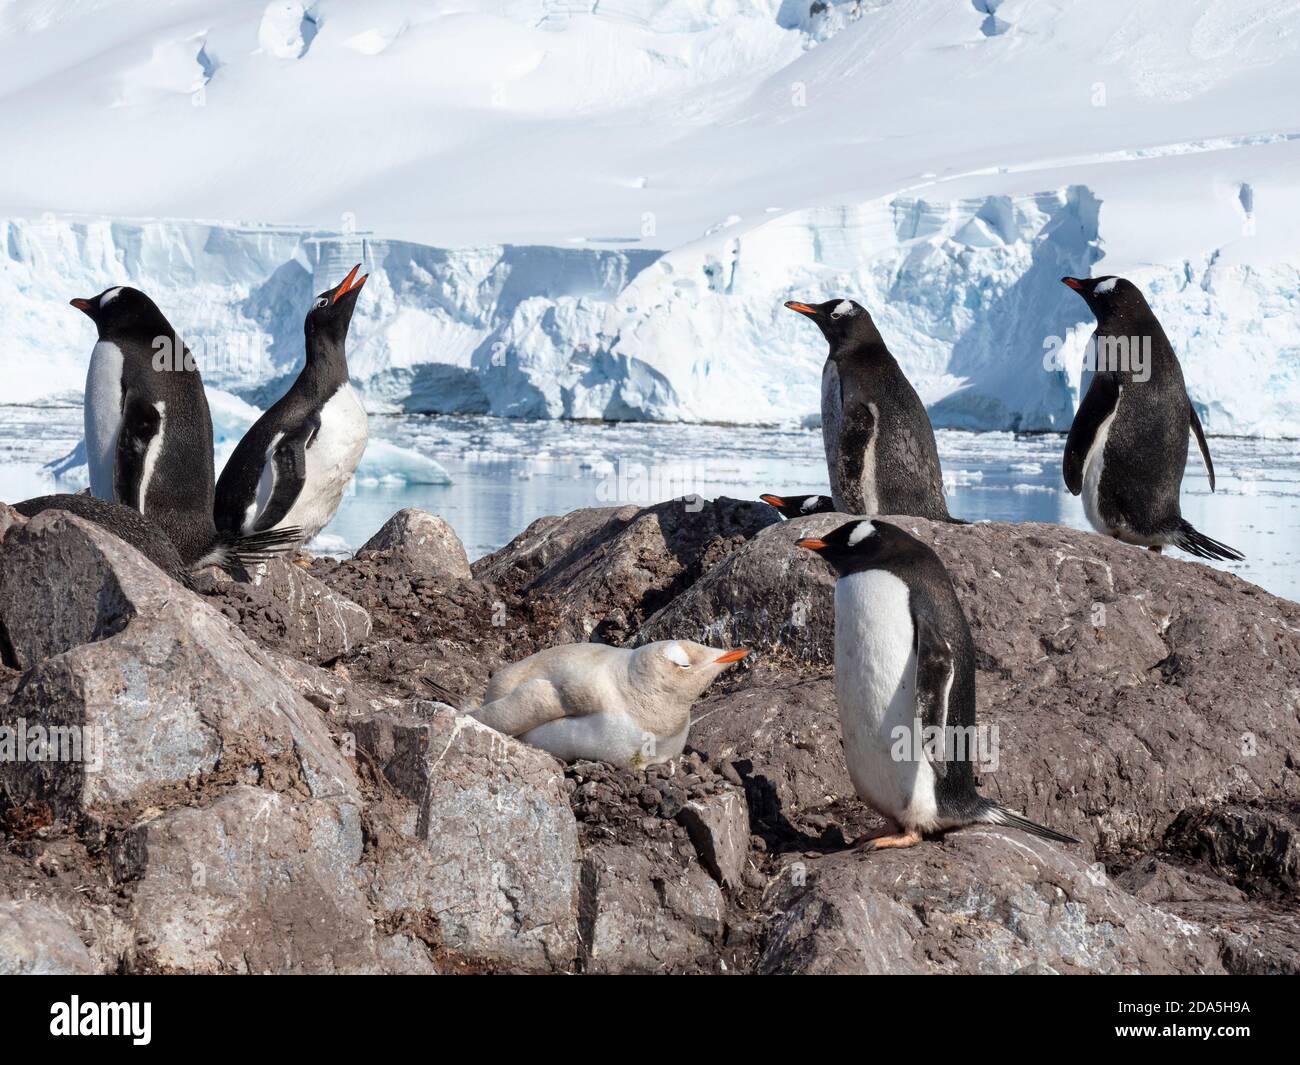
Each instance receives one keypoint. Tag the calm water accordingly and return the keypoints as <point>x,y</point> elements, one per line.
<point>508,473</point>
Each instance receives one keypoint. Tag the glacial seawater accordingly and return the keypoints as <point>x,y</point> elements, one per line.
<point>508,473</point>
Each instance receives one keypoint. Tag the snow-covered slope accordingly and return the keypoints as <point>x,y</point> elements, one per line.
<point>594,209</point>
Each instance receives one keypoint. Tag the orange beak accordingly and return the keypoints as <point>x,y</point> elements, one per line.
<point>348,285</point>
<point>772,501</point>
<point>82,305</point>
<point>802,308</point>
<point>731,656</point>
<point>1073,282</point>
<point>811,545</point>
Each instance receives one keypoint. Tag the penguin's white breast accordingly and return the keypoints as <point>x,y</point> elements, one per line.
<point>103,415</point>
<point>607,737</point>
<point>875,681</point>
<point>332,459</point>
<point>1094,465</point>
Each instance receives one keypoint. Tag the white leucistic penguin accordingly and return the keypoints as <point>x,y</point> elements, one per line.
<point>293,466</point>
<point>627,706</point>
<point>905,683</point>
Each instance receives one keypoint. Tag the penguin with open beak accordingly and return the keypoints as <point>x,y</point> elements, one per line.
<point>292,467</point>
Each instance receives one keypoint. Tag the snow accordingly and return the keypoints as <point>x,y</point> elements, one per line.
<point>567,207</point>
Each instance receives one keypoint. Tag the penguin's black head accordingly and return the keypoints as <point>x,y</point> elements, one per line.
<point>121,310</point>
<point>841,321</point>
<point>1108,294</point>
<point>864,544</point>
<point>799,506</point>
<point>331,314</point>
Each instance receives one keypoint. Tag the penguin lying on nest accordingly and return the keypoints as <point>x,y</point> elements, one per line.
<point>1127,448</point>
<point>905,668</point>
<point>149,433</point>
<point>627,706</point>
<point>798,506</point>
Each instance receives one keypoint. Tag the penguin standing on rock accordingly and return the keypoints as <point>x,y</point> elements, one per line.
<point>880,447</point>
<point>627,706</point>
<point>291,468</point>
<point>905,683</point>
<point>148,430</point>
<point>1127,447</point>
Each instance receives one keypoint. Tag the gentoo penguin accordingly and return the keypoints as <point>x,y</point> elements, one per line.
<point>799,506</point>
<point>630,707</point>
<point>1127,447</point>
<point>905,669</point>
<point>148,431</point>
<point>123,522</point>
<point>880,448</point>
<point>292,467</point>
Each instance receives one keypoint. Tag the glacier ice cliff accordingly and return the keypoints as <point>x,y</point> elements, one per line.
<point>965,290</point>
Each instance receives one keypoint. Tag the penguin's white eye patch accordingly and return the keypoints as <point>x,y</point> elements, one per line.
<point>674,653</point>
<point>811,502</point>
<point>843,308</point>
<point>864,529</point>
<point>1106,286</point>
<point>323,302</point>
<point>109,296</point>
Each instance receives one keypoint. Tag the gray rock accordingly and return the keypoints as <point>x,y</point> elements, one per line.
<point>490,845</point>
<point>421,542</point>
<point>984,901</point>
<point>768,595</point>
<point>37,940</point>
<point>1156,881</point>
<point>784,730</point>
<point>170,695</point>
<point>621,566</point>
<point>719,828</point>
<point>285,607</point>
<point>1255,939</point>
<point>66,581</point>
<point>254,883</point>
<point>642,912</point>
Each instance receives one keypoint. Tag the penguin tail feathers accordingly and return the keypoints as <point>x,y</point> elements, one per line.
<point>1200,545</point>
<point>995,814</point>
<point>232,549</point>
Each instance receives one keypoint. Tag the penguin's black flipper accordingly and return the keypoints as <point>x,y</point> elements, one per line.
<point>288,471</point>
<point>141,424</point>
<point>1097,406</point>
<point>1200,545</point>
<point>935,665</point>
<point>1201,443</point>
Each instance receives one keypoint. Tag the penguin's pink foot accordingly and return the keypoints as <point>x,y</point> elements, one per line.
<point>302,562</point>
<point>889,828</point>
<point>910,838</point>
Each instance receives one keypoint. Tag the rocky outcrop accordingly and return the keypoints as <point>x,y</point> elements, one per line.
<point>981,901</point>
<point>276,775</point>
<point>284,607</point>
<point>611,570</point>
<point>419,542</point>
